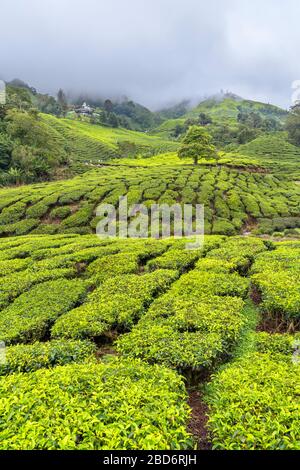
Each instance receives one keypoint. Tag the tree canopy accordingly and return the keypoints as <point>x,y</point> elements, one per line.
<point>197,143</point>
<point>293,125</point>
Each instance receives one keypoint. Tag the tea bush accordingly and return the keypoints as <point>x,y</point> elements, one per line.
<point>30,357</point>
<point>122,405</point>
<point>30,316</point>
<point>254,405</point>
<point>111,305</point>
<point>234,200</point>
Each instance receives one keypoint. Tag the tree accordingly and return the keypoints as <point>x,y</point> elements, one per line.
<point>197,144</point>
<point>6,146</point>
<point>112,120</point>
<point>108,106</point>
<point>62,101</point>
<point>246,134</point>
<point>179,129</point>
<point>293,125</point>
<point>204,119</point>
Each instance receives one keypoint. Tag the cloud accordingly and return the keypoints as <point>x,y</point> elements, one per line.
<point>155,52</point>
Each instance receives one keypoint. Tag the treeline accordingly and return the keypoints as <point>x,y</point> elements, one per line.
<point>30,150</point>
<point>249,126</point>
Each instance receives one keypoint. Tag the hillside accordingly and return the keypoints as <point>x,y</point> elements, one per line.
<point>226,117</point>
<point>235,199</point>
<point>197,345</point>
<point>94,143</point>
<point>227,109</point>
<point>275,152</point>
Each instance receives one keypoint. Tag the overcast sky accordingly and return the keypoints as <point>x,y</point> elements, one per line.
<point>154,51</point>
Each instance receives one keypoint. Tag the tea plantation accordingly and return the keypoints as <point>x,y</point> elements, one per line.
<point>105,338</point>
<point>106,342</point>
<point>235,200</point>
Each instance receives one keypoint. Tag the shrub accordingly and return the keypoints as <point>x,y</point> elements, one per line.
<point>110,305</point>
<point>12,213</point>
<point>276,343</point>
<point>13,285</point>
<point>19,228</point>
<point>223,226</point>
<point>60,212</point>
<point>113,265</point>
<point>174,259</point>
<point>30,357</point>
<point>12,265</point>
<point>239,251</point>
<point>280,292</point>
<point>254,405</point>
<point>37,210</point>
<point>120,405</point>
<point>212,283</point>
<point>187,333</point>
<point>31,314</point>
<point>79,218</point>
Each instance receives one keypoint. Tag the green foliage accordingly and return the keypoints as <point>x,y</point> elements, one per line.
<point>232,199</point>
<point>30,316</point>
<point>276,276</point>
<point>37,148</point>
<point>194,324</point>
<point>197,144</point>
<point>13,285</point>
<point>174,259</point>
<point>276,343</point>
<point>254,404</point>
<point>31,357</point>
<point>293,125</point>
<point>110,305</point>
<point>119,405</point>
<point>188,333</point>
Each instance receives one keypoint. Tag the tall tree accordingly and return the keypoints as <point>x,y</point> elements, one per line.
<point>204,119</point>
<point>197,144</point>
<point>62,101</point>
<point>293,125</point>
<point>108,106</point>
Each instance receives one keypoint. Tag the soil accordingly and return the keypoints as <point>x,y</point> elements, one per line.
<point>275,324</point>
<point>198,422</point>
<point>255,296</point>
<point>105,351</point>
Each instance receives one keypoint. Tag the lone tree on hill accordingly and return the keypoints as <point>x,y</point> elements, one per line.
<point>197,144</point>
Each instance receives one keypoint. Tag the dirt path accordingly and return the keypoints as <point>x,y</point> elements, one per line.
<point>198,422</point>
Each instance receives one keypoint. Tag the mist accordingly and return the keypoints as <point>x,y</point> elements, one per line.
<point>156,53</point>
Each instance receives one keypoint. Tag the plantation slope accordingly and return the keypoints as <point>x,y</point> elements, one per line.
<point>165,311</point>
<point>227,109</point>
<point>88,142</point>
<point>223,111</point>
<point>276,152</point>
<point>234,200</point>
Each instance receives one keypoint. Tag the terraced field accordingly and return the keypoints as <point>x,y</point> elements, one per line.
<point>235,200</point>
<point>276,153</point>
<point>119,330</point>
<point>89,143</point>
<point>140,343</point>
